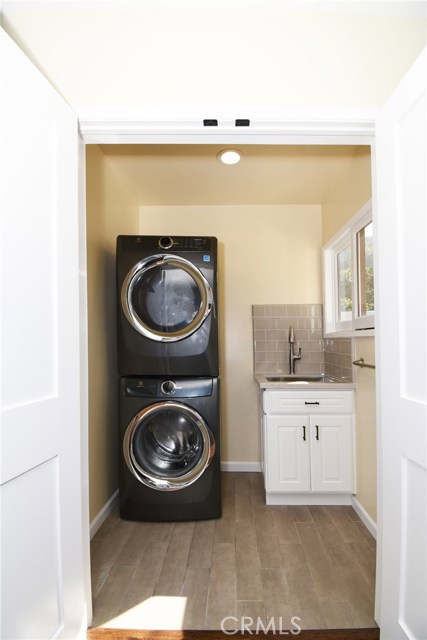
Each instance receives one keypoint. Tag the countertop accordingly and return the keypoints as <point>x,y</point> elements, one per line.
<point>306,386</point>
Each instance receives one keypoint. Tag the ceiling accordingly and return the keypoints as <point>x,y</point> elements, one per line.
<point>174,59</point>
<point>267,174</point>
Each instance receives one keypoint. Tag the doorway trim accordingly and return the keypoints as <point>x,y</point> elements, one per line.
<point>296,127</point>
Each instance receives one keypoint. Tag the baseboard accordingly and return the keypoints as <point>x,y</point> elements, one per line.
<point>364,516</point>
<point>241,466</point>
<point>308,499</point>
<point>103,514</point>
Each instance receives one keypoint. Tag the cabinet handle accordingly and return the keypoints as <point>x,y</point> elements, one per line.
<point>311,402</point>
<point>317,431</point>
<point>303,432</point>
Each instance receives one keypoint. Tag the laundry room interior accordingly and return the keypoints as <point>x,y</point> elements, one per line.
<point>272,214</point>
<point>105,137</point>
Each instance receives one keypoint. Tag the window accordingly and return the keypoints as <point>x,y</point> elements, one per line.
<point>365,275</point>
<point>349,276</point>
<point>344,279</point>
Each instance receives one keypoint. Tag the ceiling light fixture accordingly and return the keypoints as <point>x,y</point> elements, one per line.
<point>229,156</point>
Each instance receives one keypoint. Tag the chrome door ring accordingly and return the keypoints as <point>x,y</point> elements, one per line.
<point>161,483</point>
<point>156,261</point>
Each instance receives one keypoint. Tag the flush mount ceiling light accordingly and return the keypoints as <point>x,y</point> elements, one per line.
<point>229,156</point>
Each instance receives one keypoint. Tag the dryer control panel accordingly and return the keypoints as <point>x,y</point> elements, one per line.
<point>168,243</point>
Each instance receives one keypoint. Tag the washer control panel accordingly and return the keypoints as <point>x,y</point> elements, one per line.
<point>148,387</point>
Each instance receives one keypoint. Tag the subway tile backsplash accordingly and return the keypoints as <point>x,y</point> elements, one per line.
<point>271,347</point>
<point>338,358</point>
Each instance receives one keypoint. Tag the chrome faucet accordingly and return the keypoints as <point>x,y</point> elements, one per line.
<point>292,356</point>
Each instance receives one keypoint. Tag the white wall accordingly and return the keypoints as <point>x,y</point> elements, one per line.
<point>267,255</point>
<point>211,58</point>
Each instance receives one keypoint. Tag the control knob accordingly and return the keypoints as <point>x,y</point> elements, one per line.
<point>165,242</point>
<point>168,387</point>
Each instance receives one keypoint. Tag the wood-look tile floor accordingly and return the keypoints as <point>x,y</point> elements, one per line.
<point>257,561</point>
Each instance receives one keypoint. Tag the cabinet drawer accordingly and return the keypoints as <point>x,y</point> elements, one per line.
<point>295,402</point>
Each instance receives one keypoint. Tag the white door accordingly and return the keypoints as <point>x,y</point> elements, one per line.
<point>42,544</point>
<point>331,453</point>
<point>401,276</point>
<point>288,449</point>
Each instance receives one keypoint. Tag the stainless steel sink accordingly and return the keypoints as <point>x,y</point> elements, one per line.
<point>299,379</point>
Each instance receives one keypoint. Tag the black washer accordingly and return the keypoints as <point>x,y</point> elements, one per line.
<point>170,448</point>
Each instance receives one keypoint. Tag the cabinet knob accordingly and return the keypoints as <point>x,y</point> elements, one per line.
<point>317,431</point>
<point>303,432</point>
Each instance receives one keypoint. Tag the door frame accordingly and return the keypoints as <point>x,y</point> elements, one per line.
<point>296,127</point>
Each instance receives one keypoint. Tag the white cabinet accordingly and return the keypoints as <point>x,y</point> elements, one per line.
<point>308,446</point>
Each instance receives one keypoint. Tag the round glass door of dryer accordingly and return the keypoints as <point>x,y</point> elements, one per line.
<point>168,446</point>
<point>166,298</point>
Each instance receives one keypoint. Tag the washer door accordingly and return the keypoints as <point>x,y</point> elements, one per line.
<point>166,298</point>
<point>167,446</point>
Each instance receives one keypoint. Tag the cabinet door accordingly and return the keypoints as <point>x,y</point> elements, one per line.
<point>331,453</point>
<point>288,453</point>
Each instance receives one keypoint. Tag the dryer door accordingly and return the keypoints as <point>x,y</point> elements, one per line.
<point>166,298</point>
<point>168,446</point>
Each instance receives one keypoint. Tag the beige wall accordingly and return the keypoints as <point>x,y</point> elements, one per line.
<point>268,255</point>
<point>110,211</point>
<point>351,193</point>
<point>366,445</point>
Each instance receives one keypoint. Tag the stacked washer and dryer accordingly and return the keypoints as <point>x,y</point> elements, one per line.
<point>168,360</point>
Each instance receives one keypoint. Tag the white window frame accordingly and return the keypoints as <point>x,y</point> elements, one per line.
<point>357,325</point>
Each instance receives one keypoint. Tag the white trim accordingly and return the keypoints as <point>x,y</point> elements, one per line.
<point>84,376</point>
<point>103,514</point>
<point>369,523</point>
<point>345,237</point>
<point>290,127</point>
<point>354,333</point>
<point>399,8</point>
<point>241,466</point>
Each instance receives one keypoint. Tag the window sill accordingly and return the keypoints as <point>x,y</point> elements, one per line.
<point>352,333</point>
